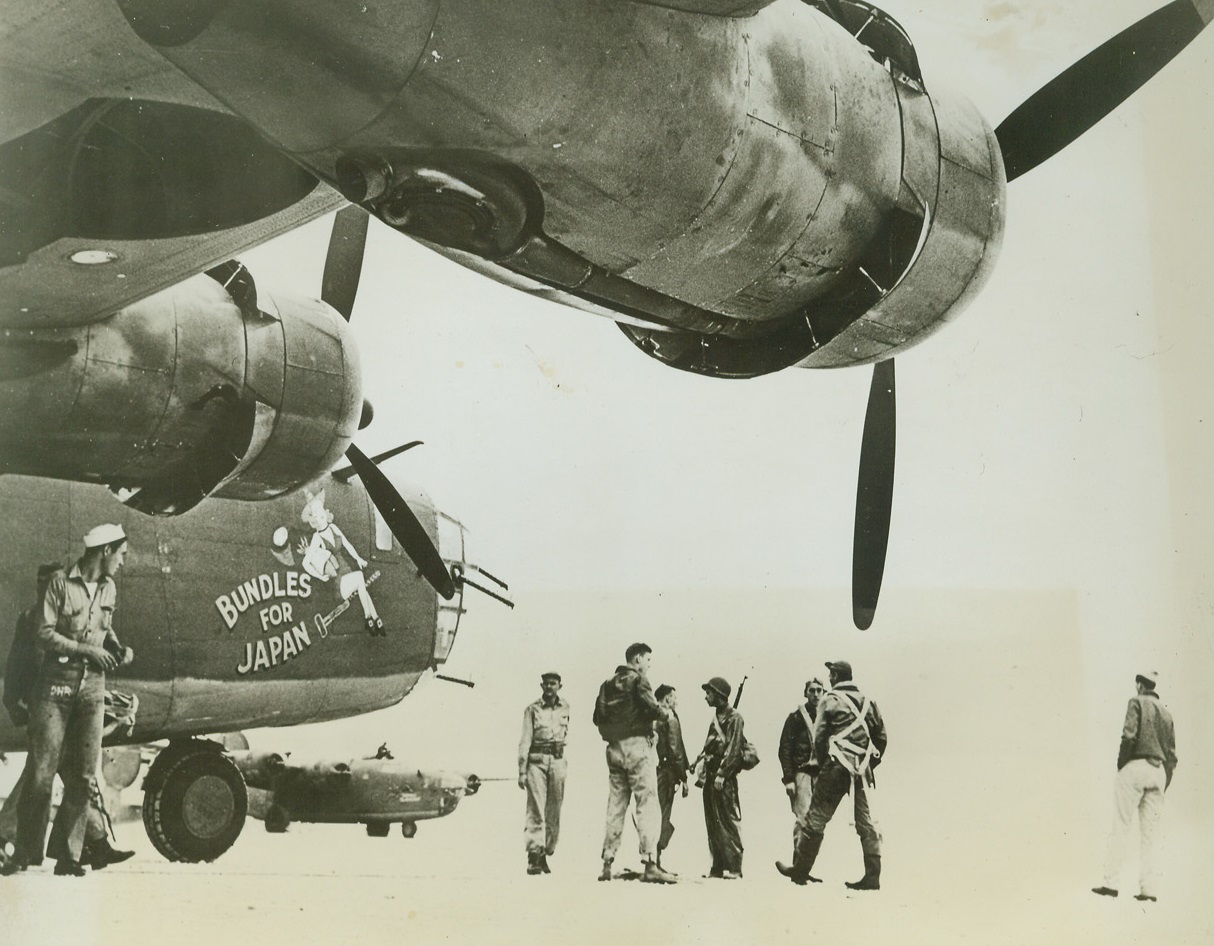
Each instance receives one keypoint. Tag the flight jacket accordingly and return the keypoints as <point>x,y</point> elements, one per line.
<point>626,706</point>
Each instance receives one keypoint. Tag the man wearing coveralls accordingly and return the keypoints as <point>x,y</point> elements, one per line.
<point>541,770</point>
<point>76,636</point>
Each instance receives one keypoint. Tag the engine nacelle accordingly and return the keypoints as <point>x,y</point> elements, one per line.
<point>199,390</point>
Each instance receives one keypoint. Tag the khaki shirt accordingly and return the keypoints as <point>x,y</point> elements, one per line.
<point>542,724</point>
<point>71,617</point>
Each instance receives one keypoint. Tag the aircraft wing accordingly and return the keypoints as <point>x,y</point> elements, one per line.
<point>50,290</point>
<point>119,176</point>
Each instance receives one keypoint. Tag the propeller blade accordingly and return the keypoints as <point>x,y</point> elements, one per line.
<point>344,260</point>
<point>347,473</point>
<point>404,524</point>
<point>1074,101</point>
<point>874,495</point>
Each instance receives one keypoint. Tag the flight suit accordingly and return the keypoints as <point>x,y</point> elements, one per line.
<point>541,760</point>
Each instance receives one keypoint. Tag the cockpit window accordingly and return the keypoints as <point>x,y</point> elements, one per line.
<point>383,535</point>
<point>451,548</point>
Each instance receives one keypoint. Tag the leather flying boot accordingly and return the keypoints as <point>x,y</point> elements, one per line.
<point>544,868</point>
<point>533,863</point>
<point>803,860</point>
<point>65,867</point>
<point>872,874</point>
<point>100,855</point>
<point>12,865</point>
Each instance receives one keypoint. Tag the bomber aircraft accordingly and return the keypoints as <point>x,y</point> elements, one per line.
<point>377,792</point>
<point>264,587</point>
<point>742,185</point>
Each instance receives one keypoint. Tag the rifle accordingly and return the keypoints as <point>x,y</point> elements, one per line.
<point>737,697</point>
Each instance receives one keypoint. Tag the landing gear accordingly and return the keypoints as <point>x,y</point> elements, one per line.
<point>278,819</point>
<point>194,802</point>
<point>378,829</point>
<point>408,828</point>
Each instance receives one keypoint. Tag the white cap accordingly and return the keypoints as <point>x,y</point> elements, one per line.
<point>1149,677</point>
<point>103,534</point>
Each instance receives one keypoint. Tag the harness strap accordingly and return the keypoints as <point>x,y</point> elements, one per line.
<point>809,723</point>
<point>860,722</point>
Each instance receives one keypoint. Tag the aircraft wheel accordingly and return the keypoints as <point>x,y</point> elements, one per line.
<point>277,820</point>
<point>378,829</point>
<point>408,828</point>
<point>194,804</point>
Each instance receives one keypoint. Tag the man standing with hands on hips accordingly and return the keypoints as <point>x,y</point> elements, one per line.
<point>541,770</point>
<point>76,636</point>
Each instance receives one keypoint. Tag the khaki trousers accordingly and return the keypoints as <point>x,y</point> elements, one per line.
<point>803,793</point>
<point>545,794</point>
<point>1139,786</point>
<point>632,771</point>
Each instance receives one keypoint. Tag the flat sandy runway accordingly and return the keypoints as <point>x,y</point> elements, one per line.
<point>462,881</point>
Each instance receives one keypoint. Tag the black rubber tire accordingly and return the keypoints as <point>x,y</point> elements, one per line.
<point>278,819</point>
<point>194,806</point>
<point>378,829</point>
<point>408,828</point>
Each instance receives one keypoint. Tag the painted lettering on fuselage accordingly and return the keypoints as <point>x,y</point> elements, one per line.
<point>274,602</point>
<point>277,648</point>
<point>262,588</point>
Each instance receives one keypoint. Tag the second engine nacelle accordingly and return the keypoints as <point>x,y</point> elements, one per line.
<point>202,389</point>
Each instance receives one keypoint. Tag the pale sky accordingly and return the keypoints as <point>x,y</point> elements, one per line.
<point>1030,451</point>
<point>1053,444</point>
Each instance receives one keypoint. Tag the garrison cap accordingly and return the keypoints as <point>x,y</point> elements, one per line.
<point>718,685</point>
<point>103,535</point>
<point>550,675</point>
<point>1149,677</point>
<point>841,665</point>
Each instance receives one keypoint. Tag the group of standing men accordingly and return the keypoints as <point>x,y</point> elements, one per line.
<point>647,765</point>
<point>828,748</point>
<point>64,708</point>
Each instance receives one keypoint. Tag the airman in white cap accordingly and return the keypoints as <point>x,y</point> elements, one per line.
<point>1145,763</point>
<point>67,708</point>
